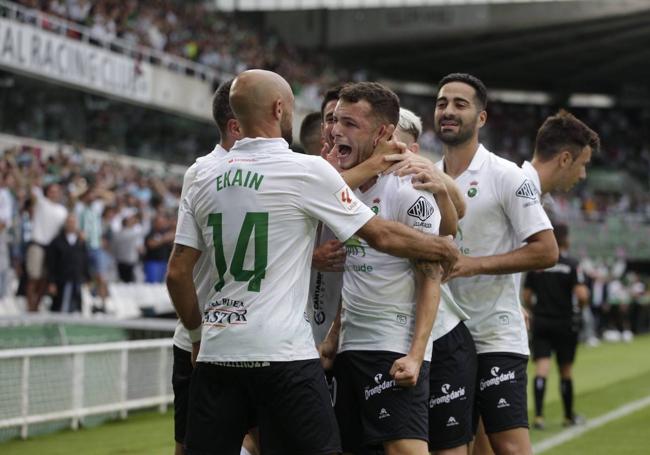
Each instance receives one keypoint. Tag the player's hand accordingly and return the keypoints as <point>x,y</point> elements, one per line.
<point>406,370</point>
<point>387,145</point>
<point>327,351</point>
<point>195,352</point>
<point>465,266</point>
<point>407,158</point>
<point>329,257</point>
<point>426,177</point>
<point>450,258</point>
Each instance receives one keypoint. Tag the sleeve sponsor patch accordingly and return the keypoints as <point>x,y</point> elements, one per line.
<point>422,209</point>
<point>526,190</point>
<point>347,199</point>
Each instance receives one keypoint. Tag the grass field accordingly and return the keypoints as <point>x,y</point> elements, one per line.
<point>606,377</point>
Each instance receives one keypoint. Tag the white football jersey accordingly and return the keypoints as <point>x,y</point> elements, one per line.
<point>256,212</point>
<point>379,291</point>
<point>503,210</point>
<point>324,294</point>
<point>202,279</point>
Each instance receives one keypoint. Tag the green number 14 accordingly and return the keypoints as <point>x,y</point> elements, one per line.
<point>258,221</point>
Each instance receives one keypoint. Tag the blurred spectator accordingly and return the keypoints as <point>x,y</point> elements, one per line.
<point>127,245</point>
<point>6,221</point>
<point>49,215</point>
<point>158,246</point>
<point>67,260</point>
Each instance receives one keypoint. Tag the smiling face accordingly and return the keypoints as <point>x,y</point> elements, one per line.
<point>355,131</point>
<point>457,116</point>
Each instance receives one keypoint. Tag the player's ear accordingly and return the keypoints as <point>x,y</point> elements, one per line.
<point>414,147</point>
<point>380,133</point>
<point>482,118</point>
<point>565,158</point>
<point>234,129</point>
<point>278,108</point>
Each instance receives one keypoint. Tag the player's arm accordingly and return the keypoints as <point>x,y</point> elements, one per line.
<point>428,279</point>
<point>329,346</point>
<point>539,252</point>
<point>399,240</point>
<point>180,285</point>
<point>376,164</point>
<point>409,163</point>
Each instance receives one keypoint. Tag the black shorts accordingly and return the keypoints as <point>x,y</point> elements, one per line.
<point>181,375</point>
<point>289,400</point>
<point>557,336</point>
<point>452,383</point>
<point>371,408</point>
<point>501,391</point>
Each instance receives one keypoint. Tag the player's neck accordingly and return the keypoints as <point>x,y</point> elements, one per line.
<point>458,157</point>
<point>368,184</point>
<point>545,174</point>
<point>263,130</point>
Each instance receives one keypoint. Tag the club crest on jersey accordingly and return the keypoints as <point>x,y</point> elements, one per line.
<point>422,209</point>
<point>346,198</point>
<point>527,190</point>
<point>473,189</point>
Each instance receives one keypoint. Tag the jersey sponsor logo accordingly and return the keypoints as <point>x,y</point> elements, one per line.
<point>317,304</point>
<point>225,312</point>
<point>497,378</point>
<point>354,247</point>
<point>346,198</point>
<point>503,403</point>
<point>244,364</point>
<point>448,396</point>
<point>383,413</point>
<point>452,422</point>
<point>380,386</point>
<point>526,190</point>
<point>421,209</point>
<point>402,319</point>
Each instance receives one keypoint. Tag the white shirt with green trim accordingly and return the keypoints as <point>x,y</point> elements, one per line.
<point>503,210</point>
<point>379,290</point>
<point>202,279</point>
<point>256,211</point>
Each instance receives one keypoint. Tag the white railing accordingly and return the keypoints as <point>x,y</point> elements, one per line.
<point>67,28</point>
<point>49,384</point>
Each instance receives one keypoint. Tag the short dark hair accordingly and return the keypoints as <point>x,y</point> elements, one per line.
<point>331,94</point>
<point>561,232</point>
<point>221,111</point>
<point>563,131</point>
<point>384,102</point>
<point>310,129</point>
<point>472,81</point>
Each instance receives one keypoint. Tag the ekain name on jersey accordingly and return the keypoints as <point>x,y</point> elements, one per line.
<point>225,312</point>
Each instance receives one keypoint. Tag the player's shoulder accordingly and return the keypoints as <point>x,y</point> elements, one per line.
<point>502,166</point>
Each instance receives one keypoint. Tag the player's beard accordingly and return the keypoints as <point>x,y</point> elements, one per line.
<point>464,134</point>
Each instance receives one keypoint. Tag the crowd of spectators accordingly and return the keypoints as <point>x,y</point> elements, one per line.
<point>66,221</point>
<point>196,32</point>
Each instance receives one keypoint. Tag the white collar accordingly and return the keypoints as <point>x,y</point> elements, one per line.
<point>257,143</point>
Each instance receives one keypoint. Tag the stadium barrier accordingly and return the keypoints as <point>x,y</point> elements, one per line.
<point>72,383</point>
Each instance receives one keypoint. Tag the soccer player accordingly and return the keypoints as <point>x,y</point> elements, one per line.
<point>563,149</point>
<point>182,366</point>
<point>409,129</point>
<point>556,321</point>
<point>382,367</point>
<point>254,213</point>
<point>310,134</point>
<point>453,366</point>
<point>503,213</point>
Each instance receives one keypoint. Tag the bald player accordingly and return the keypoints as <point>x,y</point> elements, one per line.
<point>256,212</point>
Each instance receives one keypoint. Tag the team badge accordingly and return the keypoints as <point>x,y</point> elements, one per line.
<point>473,189</point>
